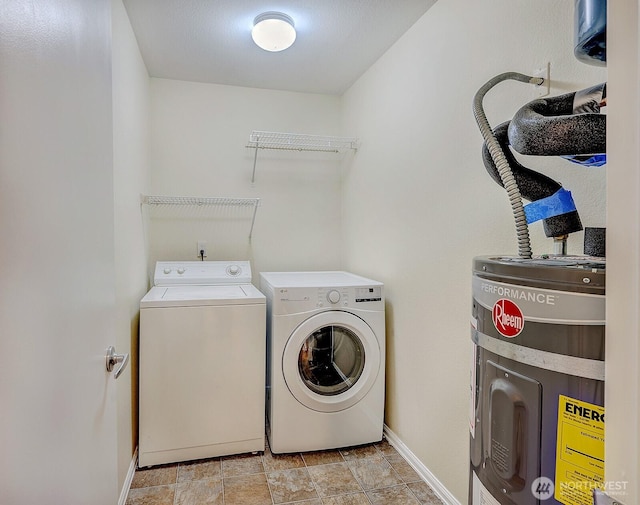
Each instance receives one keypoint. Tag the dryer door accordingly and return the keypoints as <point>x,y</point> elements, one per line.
<point>331,361</point>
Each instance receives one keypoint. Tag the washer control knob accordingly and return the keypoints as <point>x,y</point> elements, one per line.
<point>333,296</point>
<point>167,271</point>
<point>233,270</point>
<point>181,270</point>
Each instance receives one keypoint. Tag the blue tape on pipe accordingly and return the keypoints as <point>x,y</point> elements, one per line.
<point>597,160</point>
<point>557,204</point>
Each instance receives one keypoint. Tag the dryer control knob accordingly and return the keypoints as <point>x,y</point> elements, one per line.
<point>180,270</point>
<point>333,296</point>
<point>167,270</point>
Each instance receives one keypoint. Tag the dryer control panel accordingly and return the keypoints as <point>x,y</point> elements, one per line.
<point>369,294</point>
<point>302,299</point>
<point>334,296</point>
<point>347,295</point>
<point>296,292</point>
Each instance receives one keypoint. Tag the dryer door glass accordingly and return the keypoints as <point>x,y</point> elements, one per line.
<point>331,360</point>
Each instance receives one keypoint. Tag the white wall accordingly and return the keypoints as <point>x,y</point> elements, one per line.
<point>622,387</point>
<point>198,138</point>
<point>418,204</point>
<point>131,177</point>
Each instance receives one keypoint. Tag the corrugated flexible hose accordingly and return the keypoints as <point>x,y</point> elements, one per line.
<point>499,158</point>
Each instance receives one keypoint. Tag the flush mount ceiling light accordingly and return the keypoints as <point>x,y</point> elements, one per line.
<point>273,31</point>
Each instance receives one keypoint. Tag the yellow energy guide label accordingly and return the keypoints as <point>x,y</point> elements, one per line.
<point>579,452</point>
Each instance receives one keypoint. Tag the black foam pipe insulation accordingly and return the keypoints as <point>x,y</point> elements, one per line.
<point>557,126</point>
<point>595,242</point>
<point>533,185</point>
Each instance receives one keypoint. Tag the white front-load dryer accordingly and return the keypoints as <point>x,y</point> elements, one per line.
<point>325,360</point>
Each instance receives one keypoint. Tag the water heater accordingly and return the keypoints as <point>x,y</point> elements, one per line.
<point>537,415</point>
<point>537,386</point>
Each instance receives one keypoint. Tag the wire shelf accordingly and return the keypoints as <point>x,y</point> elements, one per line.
<point>196,201</point>
<point>300,142</point>
<point>297,142</point>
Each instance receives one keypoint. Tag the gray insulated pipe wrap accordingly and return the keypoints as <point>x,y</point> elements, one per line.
<point>500,160</point>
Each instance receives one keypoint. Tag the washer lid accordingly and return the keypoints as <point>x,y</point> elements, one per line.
<point>197,296</point>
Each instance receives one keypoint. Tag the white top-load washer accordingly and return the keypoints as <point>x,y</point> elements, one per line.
<point>325,360</point>
<point>202,362</point>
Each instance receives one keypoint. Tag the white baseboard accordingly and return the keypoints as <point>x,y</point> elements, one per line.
<point>425,474</point>
<point>128,479</point>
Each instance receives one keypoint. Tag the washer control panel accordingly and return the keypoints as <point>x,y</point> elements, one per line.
<point>169,273</point>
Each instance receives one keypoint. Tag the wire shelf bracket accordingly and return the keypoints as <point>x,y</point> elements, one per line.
<point>297,142</point>
<point>196,201</point>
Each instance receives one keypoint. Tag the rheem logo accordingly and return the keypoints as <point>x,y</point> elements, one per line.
<point>507,318</point>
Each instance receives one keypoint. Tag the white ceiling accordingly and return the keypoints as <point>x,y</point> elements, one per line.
<point>210,40</point>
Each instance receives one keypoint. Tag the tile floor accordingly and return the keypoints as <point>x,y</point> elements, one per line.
<point>374,474</point>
